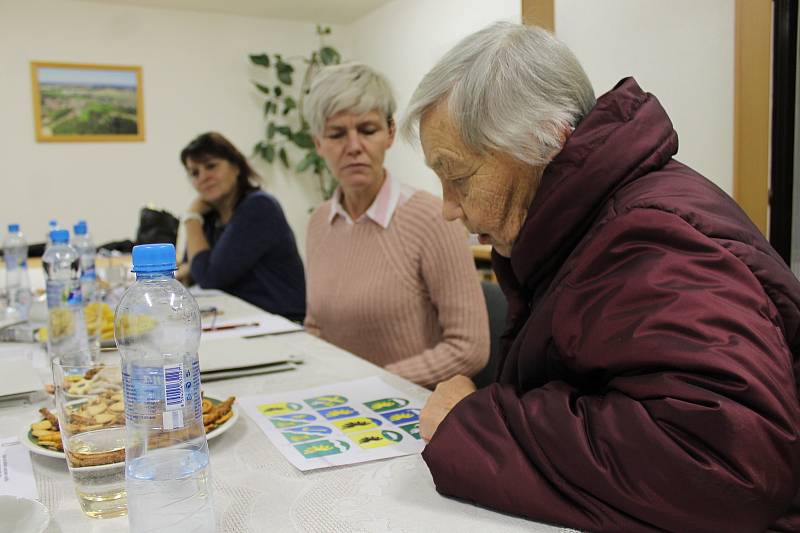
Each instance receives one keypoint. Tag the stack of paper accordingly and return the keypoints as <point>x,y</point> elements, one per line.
<point>17,376</point>
<point>255,325</point>
<point>235,357</point>
<point>16,471</point>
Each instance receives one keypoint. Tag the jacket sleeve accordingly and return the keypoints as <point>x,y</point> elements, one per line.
<point>257,226</point>
<point>680,412</point>
<point>448,273</point>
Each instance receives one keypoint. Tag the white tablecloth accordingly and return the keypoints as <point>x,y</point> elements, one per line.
<point>257,490</point>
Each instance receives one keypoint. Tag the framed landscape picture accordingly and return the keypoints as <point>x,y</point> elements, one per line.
<point>78,102</point>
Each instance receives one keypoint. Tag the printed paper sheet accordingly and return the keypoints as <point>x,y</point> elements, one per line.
<point>339,424</point>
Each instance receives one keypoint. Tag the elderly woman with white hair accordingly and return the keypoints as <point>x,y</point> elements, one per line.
<point>387,278</point>
<point>649,379</point>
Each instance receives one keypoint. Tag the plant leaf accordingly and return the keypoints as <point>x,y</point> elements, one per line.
<point>269,152</point>
<point>264,89</point>
<point>270,130</point>
<point>278,91</point>
<point>319,164</point>
<point>284,158</point>
<point>329,56</point>
<point>260,59</point>
<point>303,140</point>
<point>289,104</point>
<point>307,161</point>
<point>257,148</point>
<point>285,131</point>
<point>285,77</point>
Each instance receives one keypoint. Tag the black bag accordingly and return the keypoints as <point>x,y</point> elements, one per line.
<point>156,226</point>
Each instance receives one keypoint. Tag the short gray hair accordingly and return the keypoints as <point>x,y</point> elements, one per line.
<point>508,87</point>
<point>348,87</point>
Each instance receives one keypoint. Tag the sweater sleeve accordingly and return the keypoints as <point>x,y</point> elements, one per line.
<point>448,273</point>
<point>256,227</point>
<point>316,225</point>
<point>683,413</point>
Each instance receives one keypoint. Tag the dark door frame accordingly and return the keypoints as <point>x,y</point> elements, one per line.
<point>784,76</point>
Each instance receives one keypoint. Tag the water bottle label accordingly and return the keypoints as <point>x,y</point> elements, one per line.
<point>144,392</point>
<point>88,271</point>
<point>63,293</point>
<point>172,420</point>
<point>193,390</point>
<point>173,387</point>
<point>159,395</point>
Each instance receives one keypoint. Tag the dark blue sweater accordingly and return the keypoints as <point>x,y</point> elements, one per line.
<point>254,257</point>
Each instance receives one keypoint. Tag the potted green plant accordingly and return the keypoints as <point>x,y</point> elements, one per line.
<point>283,110</point>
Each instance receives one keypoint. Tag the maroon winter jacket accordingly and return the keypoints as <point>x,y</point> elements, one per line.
<point>649,382</point>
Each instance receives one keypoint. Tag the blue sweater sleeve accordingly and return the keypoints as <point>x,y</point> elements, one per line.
<point>256,227</point>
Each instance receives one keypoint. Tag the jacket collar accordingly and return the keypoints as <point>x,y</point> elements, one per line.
<point>626,135</point>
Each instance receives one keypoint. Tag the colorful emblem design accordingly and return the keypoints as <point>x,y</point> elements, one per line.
<point>322,402</point>
<point>334,413</point>
<point>321,448</point>
<point>306,433</point>
<point>291,421</point>
<point>316,430</point>
<point>376,438</point>
<point>386,404</point>
<point>413,430</point>
<point>272,409</point>
<point>403,416</point>
<point>359,423</point>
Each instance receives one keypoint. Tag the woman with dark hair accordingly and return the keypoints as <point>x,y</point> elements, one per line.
<point>237,237</point>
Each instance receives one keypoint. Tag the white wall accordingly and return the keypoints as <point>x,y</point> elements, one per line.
<point>680,50</point>
<point>196,78</point>
<point>403,40</point>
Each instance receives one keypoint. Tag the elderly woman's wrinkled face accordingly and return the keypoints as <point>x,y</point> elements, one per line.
<point>354,147</point>
<point>490,193</point>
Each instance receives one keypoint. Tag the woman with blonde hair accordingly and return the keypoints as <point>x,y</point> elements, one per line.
<point>387,278</point>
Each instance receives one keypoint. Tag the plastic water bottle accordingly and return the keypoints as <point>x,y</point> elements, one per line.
<point>66,330</point>
<point>18,284</point>
<point>82,242</point>
<point>157,328</point>
<point>51,227</point>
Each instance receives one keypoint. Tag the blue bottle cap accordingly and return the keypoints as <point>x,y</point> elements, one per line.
<point>80,228</point>
<point>13,228</point>
<point>59,236</point>
<point>53,223</point>
<point>154,258</point>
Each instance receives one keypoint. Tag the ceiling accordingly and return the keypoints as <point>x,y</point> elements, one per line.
<point>325,11</point>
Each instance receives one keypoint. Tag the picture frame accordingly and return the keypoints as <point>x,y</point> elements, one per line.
<point>80,102</point>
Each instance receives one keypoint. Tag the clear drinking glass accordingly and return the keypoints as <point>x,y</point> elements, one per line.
<point>91,416</point>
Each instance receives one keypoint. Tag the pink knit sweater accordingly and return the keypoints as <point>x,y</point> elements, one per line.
<point>405,297</point>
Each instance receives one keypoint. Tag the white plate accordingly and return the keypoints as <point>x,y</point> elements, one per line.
<point>22,515</point>
<point>24,437</point>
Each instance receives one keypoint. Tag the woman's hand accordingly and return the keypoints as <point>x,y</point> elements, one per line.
<point>183,273</point>
<point>200,206</point>
<point>446,395</point>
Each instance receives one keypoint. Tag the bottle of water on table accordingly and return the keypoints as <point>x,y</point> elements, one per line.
<point>82,242</point>
<point>18,284</point>
<point>157,328</point>
<point>52,226</point>
<point>66,329</point>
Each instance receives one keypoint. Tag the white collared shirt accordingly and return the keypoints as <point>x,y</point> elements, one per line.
<point>392,194</point>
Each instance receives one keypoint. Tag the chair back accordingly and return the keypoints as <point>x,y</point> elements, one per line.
<point>497,307</point>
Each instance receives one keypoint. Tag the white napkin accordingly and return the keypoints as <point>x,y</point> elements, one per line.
<point>16,470</point>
